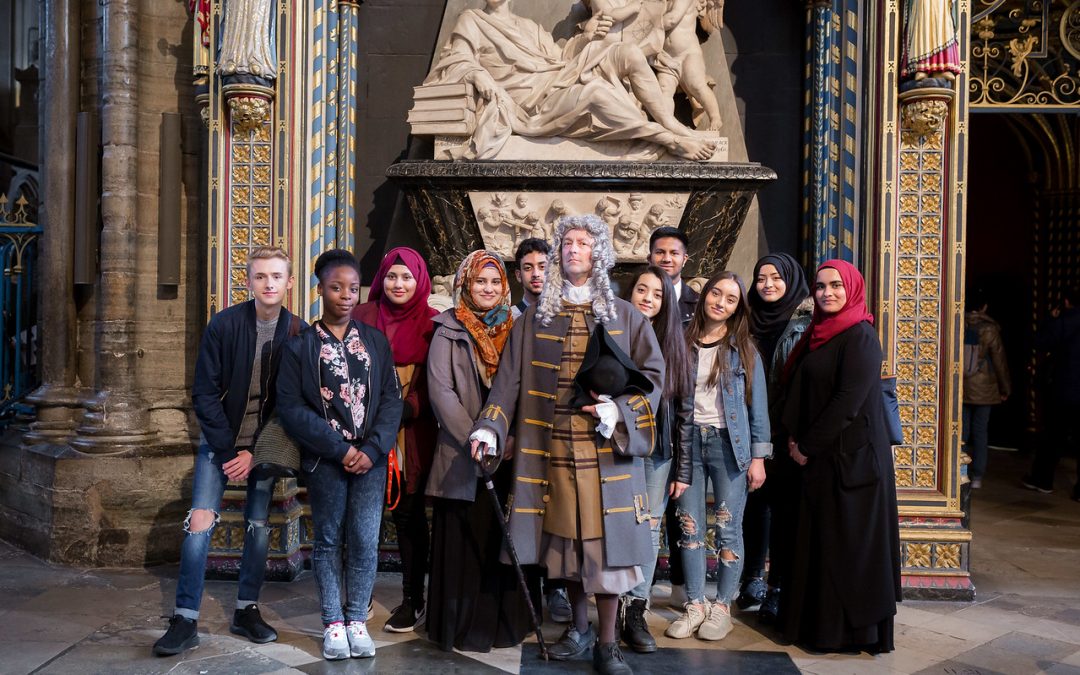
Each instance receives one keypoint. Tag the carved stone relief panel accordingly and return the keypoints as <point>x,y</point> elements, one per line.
<point>506,218</point>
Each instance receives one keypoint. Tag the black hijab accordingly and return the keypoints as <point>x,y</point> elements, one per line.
<point>769,319</point>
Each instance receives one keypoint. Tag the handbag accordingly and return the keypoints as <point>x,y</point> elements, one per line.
<point>892,410</point>
<point>275,452</point>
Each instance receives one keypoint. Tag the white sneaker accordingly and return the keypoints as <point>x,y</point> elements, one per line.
<point>360,643</point>
<point>717,625</point>
<point>688,622</point>
<point>677,599</point>
<point>334,643</point>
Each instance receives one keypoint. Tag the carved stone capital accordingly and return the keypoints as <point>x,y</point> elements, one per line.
<point>923,115</point>
<point>249,106</point>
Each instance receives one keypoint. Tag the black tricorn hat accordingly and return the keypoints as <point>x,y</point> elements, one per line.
<point>606,369</point>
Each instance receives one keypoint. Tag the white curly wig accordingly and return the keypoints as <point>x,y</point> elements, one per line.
<point>603,257</point>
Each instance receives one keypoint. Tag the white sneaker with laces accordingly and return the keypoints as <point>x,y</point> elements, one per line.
<point>360,643</point>
<point>335,645</point>
<point>717,624</point>
<point>688,622</point>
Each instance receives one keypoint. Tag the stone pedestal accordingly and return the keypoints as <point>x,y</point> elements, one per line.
<point>713,201</point>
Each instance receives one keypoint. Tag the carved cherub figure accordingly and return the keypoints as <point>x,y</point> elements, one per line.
<point>626,235</point>
<point>609,209</point>
<point>682,63</point>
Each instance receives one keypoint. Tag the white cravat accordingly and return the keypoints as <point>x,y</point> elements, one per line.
<point>577,295</point>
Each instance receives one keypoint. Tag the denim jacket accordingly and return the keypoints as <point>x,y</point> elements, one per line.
<point>748,426</point>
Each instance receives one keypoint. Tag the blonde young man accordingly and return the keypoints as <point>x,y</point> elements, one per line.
<point>233,395</point>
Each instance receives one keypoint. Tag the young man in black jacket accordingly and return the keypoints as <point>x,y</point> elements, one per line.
<point>233,395</point>
<point>668,248</point>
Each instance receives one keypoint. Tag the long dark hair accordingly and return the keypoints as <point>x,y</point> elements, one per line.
<point>667,324</point>
<point>738,329</point>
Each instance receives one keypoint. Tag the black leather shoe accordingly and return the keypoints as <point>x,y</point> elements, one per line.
<point>572,643</point>
<point>607,659</point>
<point>634,630</point>
<point>770,606</point>
<point>247,622</point>
<point>183,634</point>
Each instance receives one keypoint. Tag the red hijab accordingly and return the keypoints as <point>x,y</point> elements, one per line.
<point>408,326</point>
<point>824,327</point>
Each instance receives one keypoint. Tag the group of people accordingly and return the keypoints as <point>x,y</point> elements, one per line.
<point>770,397</point>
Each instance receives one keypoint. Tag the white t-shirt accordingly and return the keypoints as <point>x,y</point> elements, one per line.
<point>708,406</point>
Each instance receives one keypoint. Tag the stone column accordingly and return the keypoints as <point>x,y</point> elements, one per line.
<point>58,400</point>
<point>117,419</point>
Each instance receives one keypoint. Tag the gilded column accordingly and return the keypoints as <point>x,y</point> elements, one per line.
<point>58,400</point>
<point>921,271</point>
<point>830,137</point>
<point>117,419</point>
<point>348,58</point>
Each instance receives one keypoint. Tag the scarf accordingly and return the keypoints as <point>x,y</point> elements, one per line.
<point>489,328</point>
<point>824,327</point>
<point>768,320</point>
<point>408,326</point>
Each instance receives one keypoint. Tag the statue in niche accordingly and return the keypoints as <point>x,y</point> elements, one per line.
<point>930,45</point>
<point>527,85</point>
<point>682,63</point>
<point>247,39</point>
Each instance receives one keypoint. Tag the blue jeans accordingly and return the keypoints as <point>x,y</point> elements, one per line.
<point>346,511</point>
<point>976,437</point>
<point>657,480</point>
<point>206,492</point>
<point>714,460</point>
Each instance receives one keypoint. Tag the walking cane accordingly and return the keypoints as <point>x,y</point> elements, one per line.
<point>490,485</point>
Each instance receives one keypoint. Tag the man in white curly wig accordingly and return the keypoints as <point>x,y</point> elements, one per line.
<point>578,505</point>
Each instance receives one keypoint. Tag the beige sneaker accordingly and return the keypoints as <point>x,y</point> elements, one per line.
<point>688,621</point>
<point>718,623</point>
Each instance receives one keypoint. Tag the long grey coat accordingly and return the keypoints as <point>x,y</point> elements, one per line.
<point>455,395</point>
<point>523,394</point>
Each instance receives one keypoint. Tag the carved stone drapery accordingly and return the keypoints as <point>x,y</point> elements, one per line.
<point>247,39</point>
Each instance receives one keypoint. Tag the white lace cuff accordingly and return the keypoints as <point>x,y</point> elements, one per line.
<point>486,437</point>
<point>608,413</point>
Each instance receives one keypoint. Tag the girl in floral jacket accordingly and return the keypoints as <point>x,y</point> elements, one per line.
<point>338,397</point>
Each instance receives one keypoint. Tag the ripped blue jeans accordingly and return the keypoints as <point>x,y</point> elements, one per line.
<point>714,462</point>
<point>207,489</point>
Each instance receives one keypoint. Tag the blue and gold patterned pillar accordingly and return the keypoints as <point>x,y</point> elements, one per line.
<point>830,139</point>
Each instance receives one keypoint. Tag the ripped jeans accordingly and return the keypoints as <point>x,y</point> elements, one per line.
<point>207,489</point>
<point>714,460</point>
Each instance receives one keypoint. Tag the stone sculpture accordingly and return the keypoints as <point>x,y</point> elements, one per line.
<point>525,84</point>
<point>930,45</point>
<point>682,63</point>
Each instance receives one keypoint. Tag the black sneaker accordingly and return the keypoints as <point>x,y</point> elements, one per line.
<point>248,622</point>
<point>572,643</point>
<point>634,630</point>
<point>770,606</point>
<point>607,659</point>
<point>405,618</point>
<point>183,634</point>
<point>753,593</point>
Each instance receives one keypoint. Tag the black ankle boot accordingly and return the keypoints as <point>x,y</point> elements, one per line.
<point>248,622</point>
<point>633,629</point>
<point>183,634</point>
<point>607,659</point>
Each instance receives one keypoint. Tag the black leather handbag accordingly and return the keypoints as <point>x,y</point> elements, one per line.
<point>275,452</point>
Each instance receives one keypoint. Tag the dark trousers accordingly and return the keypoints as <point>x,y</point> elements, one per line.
<point>1061,437</point>
<point>413,536</point>
<point>672,528</point>
<point>756,519</point>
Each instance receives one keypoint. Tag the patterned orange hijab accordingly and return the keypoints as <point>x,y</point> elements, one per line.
<point>489,328</point>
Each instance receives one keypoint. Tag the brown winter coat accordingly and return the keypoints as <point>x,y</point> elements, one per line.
<point>523,398</point>
<point>456,398</point>
<point>989,384</point>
